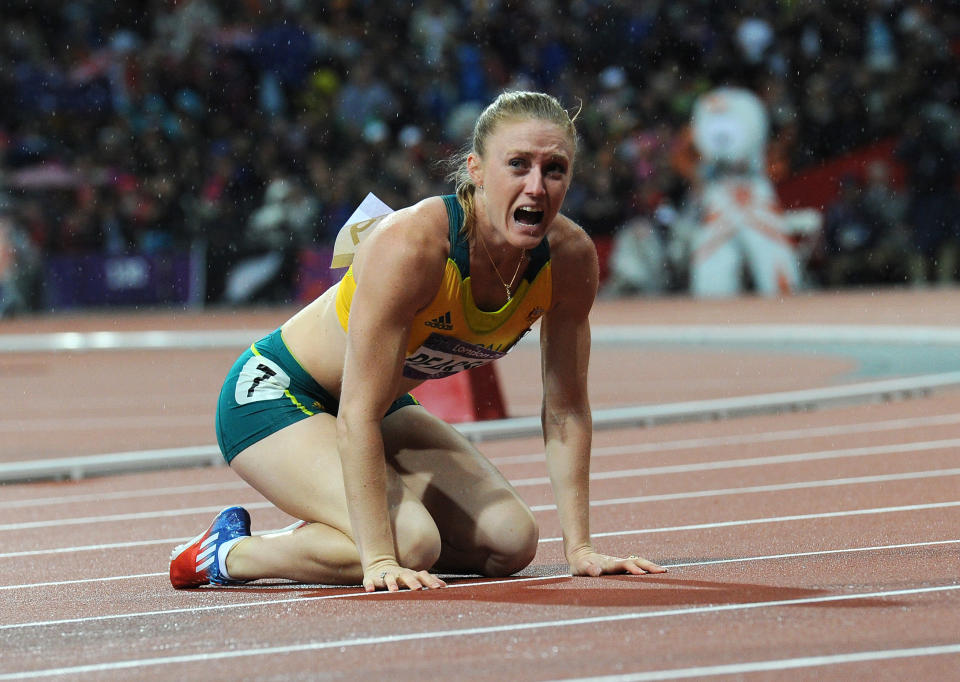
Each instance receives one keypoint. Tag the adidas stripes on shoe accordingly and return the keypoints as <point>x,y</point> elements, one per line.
<point>201,561</point>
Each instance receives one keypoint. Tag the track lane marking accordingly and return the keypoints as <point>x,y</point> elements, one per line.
<point>606,451</point>
<point>816,455</point>
<point>126,494</point>
<point>773,665</point>
<point>774,487</point>
<point>709,562</point>
<point>597,503</point>
<point>743,439</point>
<point>821,552</point>
<point>75,424</point>
<point>745,462</point>
<point>773,519</point>
<point>603,534</point>
<point>668,529</point>
<point>132,516</point>
<point>466,632</point>
<point>103,546</point>
<point>268,602</point>
<point>690,443</point>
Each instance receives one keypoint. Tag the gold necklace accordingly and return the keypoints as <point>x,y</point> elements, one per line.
<point>507,287</point>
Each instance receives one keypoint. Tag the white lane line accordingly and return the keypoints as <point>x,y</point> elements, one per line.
<point>743,439</point>
<point>771,519</point>
<point>47,425</point>
<point>776,487</point>
<point>267,602</point>
<point>918,446</point>
<point>157,400</point>
<point>813,432</point>
<point>668,529</point>
<point>465,632</point>
<point>618,450</point>
<point>125,494</point>
<point>773,665</point>
<point>98,548</point>
<point>822,552</point>
<point>604,475</point>
<point>132,516</point>
<point>708,562</point>
<point>81,581</point>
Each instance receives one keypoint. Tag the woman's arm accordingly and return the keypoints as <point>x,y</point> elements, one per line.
<point>398,272</point>
<point>566,416</point>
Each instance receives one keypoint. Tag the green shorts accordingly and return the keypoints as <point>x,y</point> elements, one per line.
<point>266,390</point>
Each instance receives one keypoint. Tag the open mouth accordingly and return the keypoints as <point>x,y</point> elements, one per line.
<point>528,216</point>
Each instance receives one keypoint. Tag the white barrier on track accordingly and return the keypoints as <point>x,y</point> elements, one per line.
<point>193,339</point>
<point>133,340</point>
<point>723,408</point>
<point>523,427</point>
<point>517,427</point>
<point>75,468</point>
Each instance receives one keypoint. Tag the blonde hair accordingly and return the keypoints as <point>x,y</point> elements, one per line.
<point>509,106</point>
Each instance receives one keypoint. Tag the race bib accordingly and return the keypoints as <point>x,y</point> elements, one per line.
<point>260,379</point>
<point>440,356</point>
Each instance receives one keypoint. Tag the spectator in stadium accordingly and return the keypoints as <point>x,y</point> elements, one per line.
<point>317,415</point>
<point>638,259</point>
<point>103,82</point>
<point>19,263</point>
<point>862,238</point>
<point>277,231</point>
<point>930,150</point>
<point>887,204</point>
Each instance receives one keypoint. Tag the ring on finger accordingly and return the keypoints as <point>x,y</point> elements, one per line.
<point>383,575</point>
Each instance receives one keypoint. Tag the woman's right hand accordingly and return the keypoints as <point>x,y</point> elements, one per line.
<point>393,577</point>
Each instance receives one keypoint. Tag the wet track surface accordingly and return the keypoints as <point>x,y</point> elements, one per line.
<point>794,540</point>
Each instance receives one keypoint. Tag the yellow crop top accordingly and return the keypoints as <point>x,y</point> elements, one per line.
<point>452,334</point>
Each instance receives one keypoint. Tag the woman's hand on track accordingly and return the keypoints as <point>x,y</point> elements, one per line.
<point>393,577</point>
<point>589,562</point>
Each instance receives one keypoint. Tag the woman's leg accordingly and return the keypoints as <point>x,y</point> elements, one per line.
<point>485,527</point>
<point>298,470</point>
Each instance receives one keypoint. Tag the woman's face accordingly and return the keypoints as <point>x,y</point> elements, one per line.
<point>524,172</point>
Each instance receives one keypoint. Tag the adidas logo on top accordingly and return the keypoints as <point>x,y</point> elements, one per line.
<point>441,322</point>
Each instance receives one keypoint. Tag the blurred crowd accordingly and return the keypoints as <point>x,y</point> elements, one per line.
<point>247,127</point>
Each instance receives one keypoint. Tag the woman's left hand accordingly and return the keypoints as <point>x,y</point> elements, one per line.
<point>588,562</point>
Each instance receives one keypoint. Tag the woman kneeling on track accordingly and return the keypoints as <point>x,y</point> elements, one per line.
<point>317,416</point>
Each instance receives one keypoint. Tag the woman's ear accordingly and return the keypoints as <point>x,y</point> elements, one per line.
<point>475,168</point>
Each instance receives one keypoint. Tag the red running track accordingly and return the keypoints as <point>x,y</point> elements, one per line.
<point>805,545</point>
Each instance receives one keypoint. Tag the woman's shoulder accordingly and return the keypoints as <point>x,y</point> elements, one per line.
<point>430,208</point>
<point>409,237</point>
<point>424,221</point>
<point>573,258</point>
<point>568,240</point>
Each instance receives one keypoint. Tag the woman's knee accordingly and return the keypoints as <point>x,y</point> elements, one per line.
<point>418,544</point>
<point>512,536</point>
